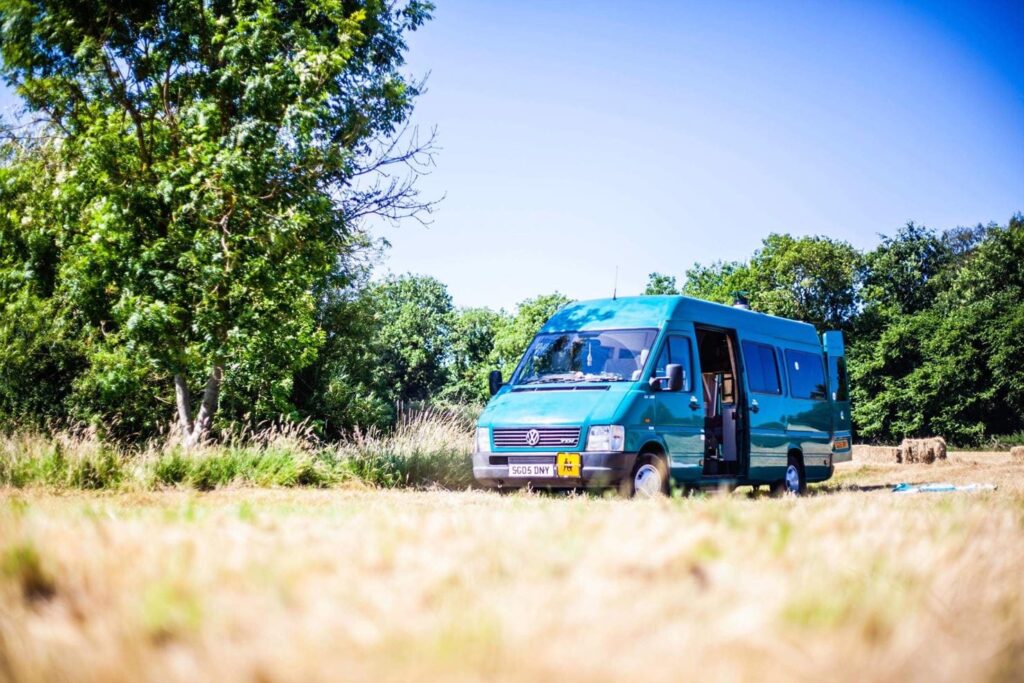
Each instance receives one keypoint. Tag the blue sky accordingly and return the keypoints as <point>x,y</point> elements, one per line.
<point>581,136</point>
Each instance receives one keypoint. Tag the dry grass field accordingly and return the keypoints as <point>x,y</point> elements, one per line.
<point>852,583</point>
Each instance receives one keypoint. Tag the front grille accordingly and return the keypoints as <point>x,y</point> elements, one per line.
<point>522,460</point>
<point>547,437</point>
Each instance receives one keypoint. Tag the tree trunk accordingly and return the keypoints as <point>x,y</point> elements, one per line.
<point>208,407</point>
<point>184,402</point>
<point>194,433</point>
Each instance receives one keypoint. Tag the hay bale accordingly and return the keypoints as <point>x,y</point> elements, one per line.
<point>924,451</point>
<point>1017,454</point>
<point>874,454</point>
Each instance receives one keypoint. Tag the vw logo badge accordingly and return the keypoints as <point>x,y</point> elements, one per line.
<point>532,437</point>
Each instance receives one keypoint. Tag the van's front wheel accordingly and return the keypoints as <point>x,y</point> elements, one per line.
<point>649,478</point>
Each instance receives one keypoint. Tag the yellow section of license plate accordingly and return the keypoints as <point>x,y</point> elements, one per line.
<point>568,464</point>
<point>841,444</point>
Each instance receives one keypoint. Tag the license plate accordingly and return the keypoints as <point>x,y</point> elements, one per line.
<point>841,445</point>
<point>568,465</point>
<point>531,470</point>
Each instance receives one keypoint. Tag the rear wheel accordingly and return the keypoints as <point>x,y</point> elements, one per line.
<point>649,479</point>
<point>794,481</point>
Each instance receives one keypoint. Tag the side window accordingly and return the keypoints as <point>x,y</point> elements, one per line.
<point>676,350</point>
<point>762,368</point>
<point>806,375</point>
<point>838,368</point>
<point>679,352</point>
<point>659,368</point>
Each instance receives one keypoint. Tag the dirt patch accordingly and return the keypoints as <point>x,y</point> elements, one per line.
<point>875,454</point>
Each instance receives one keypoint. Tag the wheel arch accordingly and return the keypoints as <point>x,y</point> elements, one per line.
<point>796,452</point>
<point>653,447</point>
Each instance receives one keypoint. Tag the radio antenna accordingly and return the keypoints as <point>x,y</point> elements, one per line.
<point>615,287</point>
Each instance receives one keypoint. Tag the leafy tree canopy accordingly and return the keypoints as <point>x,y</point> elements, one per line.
<point>472,353</point>
<point>413,320</point>
<point>515,334</point>
<point>953,362</point>
<point>717,282</point>
<point>658,283</point>
<point>807,278</point>
<point>201,185</point>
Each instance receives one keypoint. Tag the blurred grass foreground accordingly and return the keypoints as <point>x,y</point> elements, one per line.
<point>850,583</point>
<point>385,576</point>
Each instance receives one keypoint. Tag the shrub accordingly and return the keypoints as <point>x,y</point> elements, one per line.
<point>427,448</point>
<point>171,467</point>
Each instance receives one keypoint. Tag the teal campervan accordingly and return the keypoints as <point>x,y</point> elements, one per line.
<point>645,393</point>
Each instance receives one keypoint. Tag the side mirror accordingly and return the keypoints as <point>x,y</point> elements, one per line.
<point>494,381</point>
<point>655,383</point>
<point>675,376</point>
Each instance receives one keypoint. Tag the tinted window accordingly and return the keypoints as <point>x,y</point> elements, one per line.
<point>676,350</point>
<point>762,368</point>
<point>838,367</point>
<point>806,375</point>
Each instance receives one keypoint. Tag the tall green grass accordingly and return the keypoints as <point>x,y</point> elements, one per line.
<point>427,448</point>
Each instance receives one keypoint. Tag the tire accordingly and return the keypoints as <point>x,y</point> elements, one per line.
<point>795,481</point>
<point>649,478</point>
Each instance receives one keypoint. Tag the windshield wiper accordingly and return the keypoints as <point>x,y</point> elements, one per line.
<point>551,379</point>
<point>594,377</point>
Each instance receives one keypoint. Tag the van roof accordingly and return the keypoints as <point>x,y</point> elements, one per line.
<point>628,312</point>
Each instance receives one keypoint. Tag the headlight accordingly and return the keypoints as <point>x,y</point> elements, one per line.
<point>606,438</point>
<point>483,440</point>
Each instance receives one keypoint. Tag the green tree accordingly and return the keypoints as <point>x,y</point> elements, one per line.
<point>901,275</point>
<point>35,355</point>
<point>336,392</point>
<point>659,283</point>
<point>472,344</point>
<point>718,282</point>
<point>389,343</point>
<point>954,366</point>
<point>207,162</point>
<point>411,343</point>
<point>814,279</point>
<point>514,334</point>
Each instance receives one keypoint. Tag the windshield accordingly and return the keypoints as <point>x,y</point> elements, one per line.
<point>599,356</point>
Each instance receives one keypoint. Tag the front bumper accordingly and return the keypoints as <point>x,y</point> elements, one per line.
<point>598,469</point>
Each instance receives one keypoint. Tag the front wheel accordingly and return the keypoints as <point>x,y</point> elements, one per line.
<point>649,479</point>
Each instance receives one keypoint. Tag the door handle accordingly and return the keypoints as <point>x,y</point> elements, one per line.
<point>694,404</point>
<point>754,407</point>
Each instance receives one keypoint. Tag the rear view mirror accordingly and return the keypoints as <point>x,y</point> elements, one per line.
<point>675,376</point>
<point>494,381</point>
<point>672,381</point>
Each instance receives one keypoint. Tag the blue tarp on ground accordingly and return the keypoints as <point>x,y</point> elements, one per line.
<point>941,488</point>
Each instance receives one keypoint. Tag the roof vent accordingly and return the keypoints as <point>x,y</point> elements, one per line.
<point>740,300</point>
